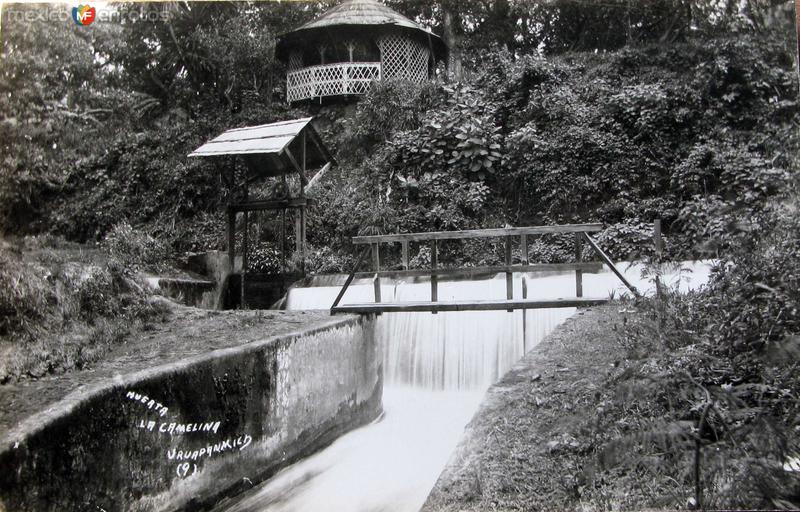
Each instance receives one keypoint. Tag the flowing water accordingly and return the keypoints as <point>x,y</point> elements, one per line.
<point>436,369</point>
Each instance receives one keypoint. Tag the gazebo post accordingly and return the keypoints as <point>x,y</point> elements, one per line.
<point>245,239</point>
<point>283,249</point>
<point>301,236</point>
<point>231,214</point>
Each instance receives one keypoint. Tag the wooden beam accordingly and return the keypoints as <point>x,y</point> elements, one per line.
<point>478,233</point>
<point>611,265</point>
<point>290,203</point>
<point>350,278</point>
<point>315,179</point>
<point>523,248</point>
<point>315,138</point>
<point>590,267</point>
<point>405,254</point>
<point>469,305</point>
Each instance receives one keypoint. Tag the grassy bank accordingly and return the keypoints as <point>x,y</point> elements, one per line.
<point>63,305</point>
<point>591,420</point>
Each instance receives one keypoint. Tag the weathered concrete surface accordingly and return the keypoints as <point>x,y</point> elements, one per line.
<point>244,413</point>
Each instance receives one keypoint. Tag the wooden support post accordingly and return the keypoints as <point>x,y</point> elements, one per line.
<point>523,247</point>
<point>297,231</point>
<point>376,285</point>
<point>231,238</point>
<point>303,238</point>
<point>283,241</point>
<point>376,264</point>
<point>434,277</point>
<point>231,214</point>
<point>244,257</point>
<point>578,259</point>
<point>376,258</point>
<point>405,254</point>
<point>509,274</point>
<point>659,254</point>
<point>524,317</point>
<point>659,243</point>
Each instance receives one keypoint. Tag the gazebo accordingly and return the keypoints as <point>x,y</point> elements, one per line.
<point>353,44</point>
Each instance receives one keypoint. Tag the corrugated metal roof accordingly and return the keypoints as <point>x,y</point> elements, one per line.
<point>361,12</point>
<point>266,138</point>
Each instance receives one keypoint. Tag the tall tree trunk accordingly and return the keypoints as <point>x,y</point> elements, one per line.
<point>451,25</point>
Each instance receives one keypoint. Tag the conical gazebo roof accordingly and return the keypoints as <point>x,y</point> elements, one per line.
<point>361,12</point>
<point>357,17</point>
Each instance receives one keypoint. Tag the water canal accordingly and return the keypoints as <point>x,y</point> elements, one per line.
<point>436,370</point>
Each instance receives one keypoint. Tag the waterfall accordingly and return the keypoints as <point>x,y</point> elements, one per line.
<point>448,350</point>
<point>470,350</point>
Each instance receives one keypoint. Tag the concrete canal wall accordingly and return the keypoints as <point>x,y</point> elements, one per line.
<point>183,435</point>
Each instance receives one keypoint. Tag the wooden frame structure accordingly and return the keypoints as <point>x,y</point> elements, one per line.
<point>275,150</point>
<point>510,303</point>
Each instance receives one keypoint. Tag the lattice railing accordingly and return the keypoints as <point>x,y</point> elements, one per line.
<point>331,80</point>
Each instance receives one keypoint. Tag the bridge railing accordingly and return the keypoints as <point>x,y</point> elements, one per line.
<point>372,245</point>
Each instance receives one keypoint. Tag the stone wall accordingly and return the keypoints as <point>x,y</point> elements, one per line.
<point>184,435</point>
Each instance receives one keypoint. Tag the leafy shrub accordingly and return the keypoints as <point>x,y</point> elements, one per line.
<point>265,258</point>
<point>326,261</point>
<point>716,381</point>
<point>24,296</point>
<point>460,136</point>
<point>628,240</point>
<point>134,248</point>
<point>393,106</point>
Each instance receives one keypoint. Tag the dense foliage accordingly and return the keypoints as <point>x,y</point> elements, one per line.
<point>713,380</point>
<point>699,135</point>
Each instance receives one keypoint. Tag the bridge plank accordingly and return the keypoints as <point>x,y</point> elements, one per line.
<point>478,233</point>
<point>469,305</point>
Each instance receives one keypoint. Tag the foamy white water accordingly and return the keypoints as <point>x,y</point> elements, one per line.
<point>389,465</point>
<point>436,369</point>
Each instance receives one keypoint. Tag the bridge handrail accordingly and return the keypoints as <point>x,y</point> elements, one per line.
<point>580,231</point>
<point>478,233</point>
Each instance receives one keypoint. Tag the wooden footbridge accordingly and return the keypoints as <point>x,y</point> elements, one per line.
<point>510,303</point>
